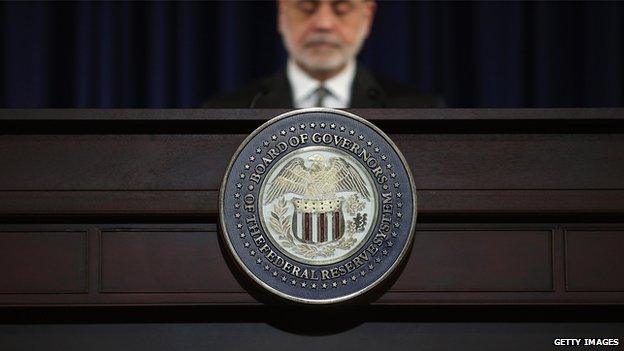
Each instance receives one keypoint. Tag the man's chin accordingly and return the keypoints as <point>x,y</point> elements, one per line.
<point>324,64</point>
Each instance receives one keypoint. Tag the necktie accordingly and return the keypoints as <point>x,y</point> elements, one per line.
<point>321,93</point>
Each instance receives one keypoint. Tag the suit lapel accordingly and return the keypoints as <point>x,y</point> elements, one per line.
<point>277,92</point>
<point>366,91</point>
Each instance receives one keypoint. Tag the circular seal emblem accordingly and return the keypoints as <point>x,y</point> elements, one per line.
<point>318,206</point>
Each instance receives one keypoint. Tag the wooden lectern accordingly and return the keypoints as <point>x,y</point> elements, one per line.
<point>109,217</point>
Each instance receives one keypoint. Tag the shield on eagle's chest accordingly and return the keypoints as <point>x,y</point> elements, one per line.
<point>318,221</point>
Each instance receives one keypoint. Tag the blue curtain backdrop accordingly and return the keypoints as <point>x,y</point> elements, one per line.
<point>162,54</point>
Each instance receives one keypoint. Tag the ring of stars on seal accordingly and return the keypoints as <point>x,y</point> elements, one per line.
<point>318,206</point>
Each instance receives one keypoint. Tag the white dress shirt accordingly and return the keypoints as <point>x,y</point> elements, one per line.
<point>304,88</point>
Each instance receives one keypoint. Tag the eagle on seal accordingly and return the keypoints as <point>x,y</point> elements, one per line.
<point>322,180</point>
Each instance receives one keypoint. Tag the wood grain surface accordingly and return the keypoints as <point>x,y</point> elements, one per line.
<point>119,207</point>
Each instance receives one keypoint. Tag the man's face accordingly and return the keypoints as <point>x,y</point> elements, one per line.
<point>321,36</point>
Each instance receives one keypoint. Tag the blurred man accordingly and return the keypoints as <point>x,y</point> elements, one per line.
<point>323,38</point>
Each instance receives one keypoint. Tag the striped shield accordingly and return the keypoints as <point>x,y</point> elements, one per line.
<point>318,221</point>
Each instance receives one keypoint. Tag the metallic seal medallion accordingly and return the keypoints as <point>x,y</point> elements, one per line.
<point>318,206</point>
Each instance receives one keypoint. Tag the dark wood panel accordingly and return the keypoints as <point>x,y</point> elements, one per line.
<point>149,261</point>
<point>197,162</point>
<point>163,202</point>
<point>536,203</point>
<point>204,203</point>
<point>479,260</point>
<point>389,298</point>
<point>182,264</point>
<point>514,161</point>
<point>43,262</point>
<point>594,260</point>
<point>231,114</point>
<point>163,261</point>
<point>115,162</point>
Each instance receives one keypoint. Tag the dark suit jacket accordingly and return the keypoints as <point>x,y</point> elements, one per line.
<point>366,92</point>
